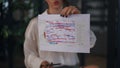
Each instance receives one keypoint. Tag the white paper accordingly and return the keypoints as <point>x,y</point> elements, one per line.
<point>59,34</point>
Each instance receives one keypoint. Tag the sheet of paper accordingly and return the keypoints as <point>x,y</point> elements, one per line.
<point>59,34</point>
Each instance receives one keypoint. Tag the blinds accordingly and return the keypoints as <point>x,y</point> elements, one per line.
<point>98,10</point>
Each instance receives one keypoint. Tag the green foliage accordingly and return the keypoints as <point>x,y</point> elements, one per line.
<point>5,32</point>
<point>22,6</point>
<point>17,30</point>
<point>1,1</point>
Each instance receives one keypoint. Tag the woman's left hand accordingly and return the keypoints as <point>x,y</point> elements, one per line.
<point>69,10</point>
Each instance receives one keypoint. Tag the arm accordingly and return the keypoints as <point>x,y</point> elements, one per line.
<point>32,58</point>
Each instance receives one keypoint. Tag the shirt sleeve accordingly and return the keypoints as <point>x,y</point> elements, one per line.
<point>32,58</point>
<point>92,39</point>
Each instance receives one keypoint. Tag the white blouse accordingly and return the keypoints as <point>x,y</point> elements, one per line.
<point>34,57</point>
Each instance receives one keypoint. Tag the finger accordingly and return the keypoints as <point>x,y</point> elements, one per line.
<point>63,12</point>
<point>68,12</point>
<point>50,66</point>
<point>70,9</point>
<point>44,64</point>
<point>91,66</point>
<point>75,11</point>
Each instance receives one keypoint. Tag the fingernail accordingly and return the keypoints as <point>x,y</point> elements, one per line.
<point>62,15</point>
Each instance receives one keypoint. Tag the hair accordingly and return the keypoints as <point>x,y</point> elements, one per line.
<point>65,3</point>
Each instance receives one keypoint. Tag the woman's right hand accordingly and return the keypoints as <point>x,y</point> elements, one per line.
<point>46,64</point>
<point>91,66</point>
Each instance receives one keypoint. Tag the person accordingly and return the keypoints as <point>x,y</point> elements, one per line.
<point>34,58</point>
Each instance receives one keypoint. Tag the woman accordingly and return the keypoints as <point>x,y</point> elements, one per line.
<point>35,58</point>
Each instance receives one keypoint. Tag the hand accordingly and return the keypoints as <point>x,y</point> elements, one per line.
<point>69,10</point>
<point>46,64</point>
<point>91,66</point>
